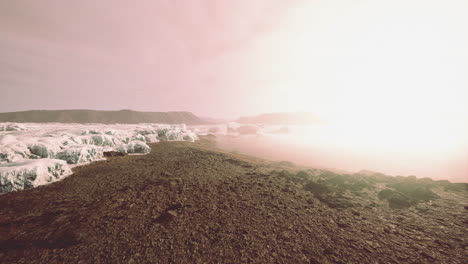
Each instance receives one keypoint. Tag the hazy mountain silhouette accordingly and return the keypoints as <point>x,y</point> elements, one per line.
<point>294,118</point>
<point>104,117</point>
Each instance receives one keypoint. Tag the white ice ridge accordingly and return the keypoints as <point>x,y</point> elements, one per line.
<point>31,173</point>
<point>20,144</point>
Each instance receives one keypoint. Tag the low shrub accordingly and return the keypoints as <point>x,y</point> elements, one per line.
<point>316,188</point>
<point>303,175</point>
<point>398,202</point>
<point>385,194</point>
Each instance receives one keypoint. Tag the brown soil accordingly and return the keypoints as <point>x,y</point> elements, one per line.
<point>190,203</point>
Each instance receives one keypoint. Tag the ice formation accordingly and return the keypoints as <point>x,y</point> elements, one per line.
<point>31,173</point>
<point>11,127</point>
<point>80,154</point>
<point>28,151</point>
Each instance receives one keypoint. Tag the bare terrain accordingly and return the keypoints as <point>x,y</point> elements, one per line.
<point>192,203</point>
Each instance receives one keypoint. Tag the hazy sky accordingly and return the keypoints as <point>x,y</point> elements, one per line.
<point>143,55</point>
<point>219,58</point>
<point>390,75</point>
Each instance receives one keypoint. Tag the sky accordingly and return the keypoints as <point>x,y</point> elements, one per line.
<point>387,74</point>
<point>145,55</point>
<point>225,58</point>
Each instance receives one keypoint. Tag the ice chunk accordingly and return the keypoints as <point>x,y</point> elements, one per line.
<point>145,132</point>
<point>39,150</point>
<point>103,140</point>
<point>12,127</point>
<point>151,138</point>
<point>7,139</point>
<point>81,154</point>
<point>91,132</point>
<point>46,148</point>
<point>79,144</point>
<point>111,132</point>
<point>134,147</point>
<point>190,137</point>
<point>176,134</point>
<point>139,137</point>
<point>14,152</point>
<point>31,173</point>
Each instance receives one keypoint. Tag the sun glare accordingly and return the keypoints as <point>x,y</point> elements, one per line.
<point>389,79</point>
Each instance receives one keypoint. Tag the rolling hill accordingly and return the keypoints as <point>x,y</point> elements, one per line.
<point>104,117</point>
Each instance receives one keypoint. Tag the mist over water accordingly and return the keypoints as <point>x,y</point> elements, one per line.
<point>326,146</point>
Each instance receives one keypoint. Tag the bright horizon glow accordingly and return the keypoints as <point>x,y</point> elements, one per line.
<point>391,74</point>
<point>389,77</point>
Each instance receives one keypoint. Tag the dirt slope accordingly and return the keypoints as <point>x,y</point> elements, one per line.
<point>184,203</point>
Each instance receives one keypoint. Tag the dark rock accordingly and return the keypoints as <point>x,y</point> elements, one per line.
<point>174,207</point>
<point>385,194</point>
<point>166,217</point>
<point>398,203</point>
<point>109,154</point>
<point>316,188</point>
<point>396,200</point>
<point>426,255</point>
<point>303,175</point>
<point>334,202</point>
<point>313,260</point>
<point>62,239</point>
<point>166,174</point>
<point>356,213</point>
<point>342,225</point>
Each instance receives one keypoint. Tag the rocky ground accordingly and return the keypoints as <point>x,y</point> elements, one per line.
<point>191,203</point>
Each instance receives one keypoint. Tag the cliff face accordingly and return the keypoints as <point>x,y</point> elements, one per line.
<point>104,117</point>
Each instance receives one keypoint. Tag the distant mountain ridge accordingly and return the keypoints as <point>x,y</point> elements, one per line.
<point>103,117</point>
<point>285,118</point>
